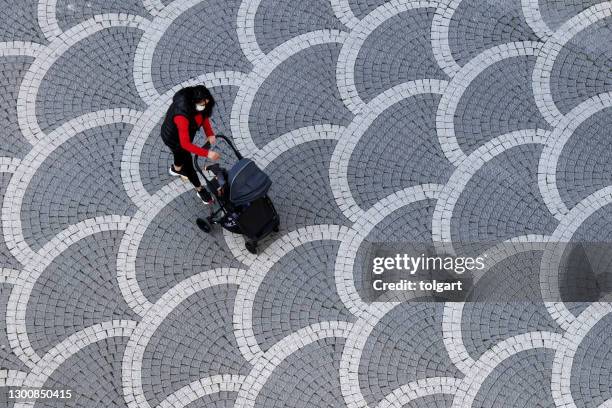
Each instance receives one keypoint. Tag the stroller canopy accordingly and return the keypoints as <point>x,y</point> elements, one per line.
<point>247,182</point>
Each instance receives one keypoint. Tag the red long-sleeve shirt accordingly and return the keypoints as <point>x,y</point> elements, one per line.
<point>182,123</point>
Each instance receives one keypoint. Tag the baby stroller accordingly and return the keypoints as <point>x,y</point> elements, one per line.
<point>242,203</point>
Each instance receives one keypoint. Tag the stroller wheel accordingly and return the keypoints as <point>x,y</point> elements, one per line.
<point>203,225</point>
<point>251,246</point>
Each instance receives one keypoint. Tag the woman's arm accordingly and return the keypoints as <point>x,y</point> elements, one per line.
<point>208,130</point>
<point>182,123</point>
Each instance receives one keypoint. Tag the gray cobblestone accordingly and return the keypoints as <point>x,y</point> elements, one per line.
<point>378,121</point>
<point>80,180</point>
<point>497,102</point>
<point>318,384</point>
<point>403,348</point>
<point>361,8</point>
<point>299,94</point>
<point>72,12</point>
<point>103,67</point>
<point>398,151</point>
<point>501,179</point>
<point>68,299</point>
<point>195,341</point>
<point>93,375</point>
<point>556,12</point>
<point>486,324</point>
<point>522,382</point>
<point>12,70</point>
<point>301,293</point>
<point>584,165</point>
<point>8,360</point>
<point>481,24</point>
<point>384,62</point>
<point>278,21</point>
<point>590,374</point>
<point>18,21</point>
<point>583,67</point>
<point>310,200</point>
<point>205,36</point>
<point>182,255</point>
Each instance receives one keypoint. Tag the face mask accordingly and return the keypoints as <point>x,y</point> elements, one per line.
<point>200,108</point>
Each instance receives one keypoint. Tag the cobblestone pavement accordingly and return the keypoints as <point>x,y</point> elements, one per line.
<point>451,121</point>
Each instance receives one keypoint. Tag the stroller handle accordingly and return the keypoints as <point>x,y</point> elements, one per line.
<point>207,146</point>
<point>229,142</point>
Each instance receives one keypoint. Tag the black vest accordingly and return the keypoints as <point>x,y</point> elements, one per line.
<point>181,105</point>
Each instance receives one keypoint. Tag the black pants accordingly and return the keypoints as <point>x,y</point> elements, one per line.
<point>183,159</point>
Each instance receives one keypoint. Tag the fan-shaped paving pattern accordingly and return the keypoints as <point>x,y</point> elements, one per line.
<point>79,180</point>
<point>302,193</point>
<point>396,52</point>
<point>7,357</point>
<point>221,399</point>
<point>398,151</point>
<point>299,93</point>
<point>93,375</point>
<point>308,377</point>
<point>362,8</point>
<point>557,12</point>
<point>523,381</point>
<point>18,21</point>
<point>408,224</point>
<point>431,401</point>
<point>201,40</point>
<point>585,163</point>
<point>478,25</point>
<point>6,258</point>
<point>596,228</point>
<point>378,121</point>
<point>513,278</point>
<point>72,12</point>
<point>277,21</point>
<point>12,71</point>
<point>193,342</point>
<point>486,324</point>
<point>478,117</point>
<point>301,286</point>
<point>406,345</point>
<point>165,258</point>
<point>77,290</point>
<point>590,371</point>
<point>93,75</point>
<point>502,200</point>
<point>582,68</point>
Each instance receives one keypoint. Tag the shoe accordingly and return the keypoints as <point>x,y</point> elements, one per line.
<point>205,197</point>
<point>174,172</point>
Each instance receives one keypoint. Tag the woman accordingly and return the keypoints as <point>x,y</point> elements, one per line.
<point>190,110</point>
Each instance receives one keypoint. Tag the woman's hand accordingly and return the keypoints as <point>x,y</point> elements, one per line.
<point>212,139</point>
<point>213,155</point>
